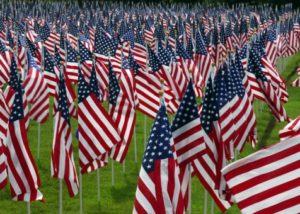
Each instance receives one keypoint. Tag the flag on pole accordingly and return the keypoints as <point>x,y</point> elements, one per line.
<point>158,187</point>
<point>22,171</point>
<point>97,132</point>
<point>62,160</point>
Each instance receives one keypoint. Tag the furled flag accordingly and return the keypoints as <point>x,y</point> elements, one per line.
<point>122,113</point>
<point>11,89</point>
<point>22,171</point>
<point>205,167</point>
<point>36,90</point>
<point>86,62</point>
<point>62,160</point>
<point>203,61</point>
<point>188,137</point>
<point>72,64</point>
<point>272,99</point>
<point>187,130</point>
<point>5,61</point>
<point>51,72</point>
<point>4,114</point>
<point>97,132</point>
<point>268,180</point>
<point>158,186</point>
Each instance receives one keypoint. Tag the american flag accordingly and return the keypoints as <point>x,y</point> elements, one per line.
<point>158,187</point>
<point>272,98</point>
<point>243,113</point>
<point>147,90</point>
<point>139,51</point>
<point>34,51</point>
<point>267,181</point>
<point>11,89</point>
<point>271,46</point>
<point>22,171</point>
<point>86,62</point>
<point>103,44</point>
<point>21,56</point>
<point>243,33</point>
<point>203,62</point>
<point>164,64</point>
<point>290,130</point>
<point>72,35</point>
<point>51,72</point>
<point>4,114</point>
<point>72,63</point>
<point>36,91</point>
<point>50,39</point>
<point>122,113</point>
<point>62,160</point>
<point>5,60</point>
<point>161,72</point>
<point>205,167</point>
<point>97,132</point>
<point>188,137</point>
<point>187,130</point>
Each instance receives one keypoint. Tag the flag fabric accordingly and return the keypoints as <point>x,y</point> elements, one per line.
<point>71,63</point>
<point>5,60</point>
<point>206,166</point>
<point>62,160</point>
<point>97,132</point>
<point>187,130</point>
<point>4,115</point>
<point>271,95</point>
<point>51,72</point>
<point>203,61</point>
<point>123,114</point>
<point>291,129</point>
<point>158,186</point>
<point>267,181</point>
<point>86,62</point>
<point>36,91</point>
<point>22,171</point>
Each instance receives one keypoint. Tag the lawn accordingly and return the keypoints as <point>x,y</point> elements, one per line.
<point>119,198</point>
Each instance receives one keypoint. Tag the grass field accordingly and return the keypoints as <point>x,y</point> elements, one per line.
<point>119,198</point>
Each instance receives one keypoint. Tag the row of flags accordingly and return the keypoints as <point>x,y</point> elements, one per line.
<point>154,59</point>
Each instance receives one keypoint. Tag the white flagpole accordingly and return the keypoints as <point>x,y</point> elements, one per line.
<point>124,167</point>
<point>28,207</point>
<point>205,201</point>
<point>212,206</point>
<point>135,146</point>
<point>80,193</point>
<point>145,132</point>
<point>112,173</point>
<point>98,185</point>
<point>39,141</point>
<point>190,191</point>
<point>60,196</point>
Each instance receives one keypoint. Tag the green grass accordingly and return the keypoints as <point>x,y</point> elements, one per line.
<point>119,199</point>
